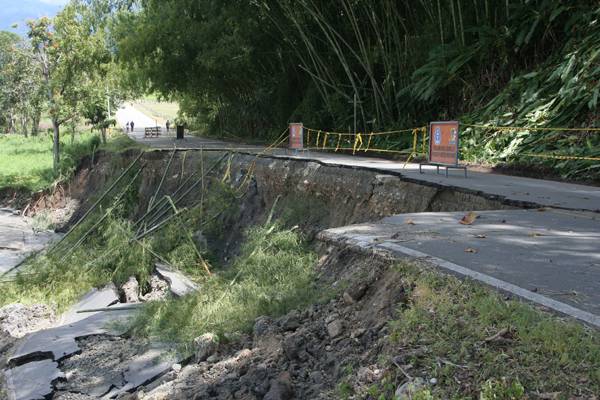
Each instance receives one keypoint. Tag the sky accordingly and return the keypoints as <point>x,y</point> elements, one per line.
<point>18,11</point>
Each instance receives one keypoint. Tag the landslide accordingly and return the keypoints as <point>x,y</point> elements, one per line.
<point>281,324</point>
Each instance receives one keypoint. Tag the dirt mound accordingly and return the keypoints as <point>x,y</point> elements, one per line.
<point>17,320</point>
<point>315,353</point>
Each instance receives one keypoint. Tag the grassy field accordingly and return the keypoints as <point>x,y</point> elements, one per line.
<point>26,163</point>
<point>158,110</point>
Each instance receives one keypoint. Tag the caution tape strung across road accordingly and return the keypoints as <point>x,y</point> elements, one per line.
<point>362,142</point>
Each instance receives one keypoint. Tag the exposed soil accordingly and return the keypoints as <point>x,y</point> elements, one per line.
<point>306,354</point>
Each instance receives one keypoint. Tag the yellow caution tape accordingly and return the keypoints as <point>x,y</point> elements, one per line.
<point>369,142</point>
<point>357,143</point>
<point>561,157</point>
<point>525,128</point>
<point>338,143</point>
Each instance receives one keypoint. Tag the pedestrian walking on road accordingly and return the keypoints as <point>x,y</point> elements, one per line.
<point>167,124</point>
<point>132,125</point>
<point>127,126</point>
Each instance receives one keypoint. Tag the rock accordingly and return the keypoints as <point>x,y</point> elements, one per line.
<point>357,333</point>
<point>281,388</point>
<point>18,319</point>
<point>407,390</point>
<point>158,289</point>
<point>176,367</point>
<point>292,345</point>
<point>357,291</point>
<point>335,328</point>
<point>205,346</point>
<point>130,291</point>
<point>212,359</point>
<point>348,299</point>
<point>290,322</point>
<point>316,377</point>
<point>262,325</point>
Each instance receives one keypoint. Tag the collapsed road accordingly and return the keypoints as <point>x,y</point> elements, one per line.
<point>422,217</point>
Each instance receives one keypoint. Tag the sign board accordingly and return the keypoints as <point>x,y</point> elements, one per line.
<point>443,143</point>
<point>296,136</point>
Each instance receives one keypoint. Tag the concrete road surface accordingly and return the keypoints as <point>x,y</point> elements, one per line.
<point>128,113</point>
<point>18,239</point>
<point>520,191</point>
<point>552,254</point>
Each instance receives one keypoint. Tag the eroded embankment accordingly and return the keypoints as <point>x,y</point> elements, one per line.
<point>354,326</point>
<point>313,195</point>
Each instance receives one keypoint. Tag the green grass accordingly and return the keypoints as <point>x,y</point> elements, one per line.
<point>26,163</point>
<point>60,283</point>
<point>156,109</point>
<point>451,322</point>
<point>273,274</point>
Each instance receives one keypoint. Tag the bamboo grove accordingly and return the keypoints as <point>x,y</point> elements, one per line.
<point>247,67</point>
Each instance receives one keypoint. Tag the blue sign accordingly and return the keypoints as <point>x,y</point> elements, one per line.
<point>437,136</point>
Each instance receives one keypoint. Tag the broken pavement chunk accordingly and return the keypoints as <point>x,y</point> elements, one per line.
<point>179,284</point>
<point>32,380</point>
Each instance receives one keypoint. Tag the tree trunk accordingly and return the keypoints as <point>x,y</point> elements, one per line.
<point>24,126</point>
<point>35,123</point>
<point>56,146</point>
<point>103,131</point>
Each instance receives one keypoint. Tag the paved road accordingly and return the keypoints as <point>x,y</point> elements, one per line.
<point>551,255</point>
<point>538,192</point>
<point>128,113</point>
<point>18,240</point>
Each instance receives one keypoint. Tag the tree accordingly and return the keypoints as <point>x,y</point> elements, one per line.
<point>20,101</point>
<point>67,52</point>
<point>95,110</point>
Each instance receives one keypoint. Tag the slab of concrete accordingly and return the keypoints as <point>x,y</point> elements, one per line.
<point>179,284</point>
<point>518,190</point>
<point>94,299</point>
<point>32,381</point>
<point>145,367</point>
<point>60,342</point>
<point>18,240</point>
<point>551,257</point>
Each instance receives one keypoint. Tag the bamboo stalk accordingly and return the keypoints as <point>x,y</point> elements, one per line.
<point>162,179</point>
<point>93,207</point>
<point>85,235</point>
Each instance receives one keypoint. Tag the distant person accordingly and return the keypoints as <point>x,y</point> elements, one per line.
<point>167,124</point>
<point>127,126</point>
<point>132,125</point>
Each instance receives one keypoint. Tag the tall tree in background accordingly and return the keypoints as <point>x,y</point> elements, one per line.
<point>225,61</point>
<point>68,52</point>
<point>20,85</point>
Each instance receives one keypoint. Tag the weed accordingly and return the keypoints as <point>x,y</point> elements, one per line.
<point>60,282</point>
<point>502,390</point>
<point>473,340</point>
<point>272,275</point>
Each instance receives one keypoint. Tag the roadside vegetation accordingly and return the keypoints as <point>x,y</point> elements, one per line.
<point>493,63</point>
<point>273,274</point>
<point>475,342</point>
<point>26,162</point>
